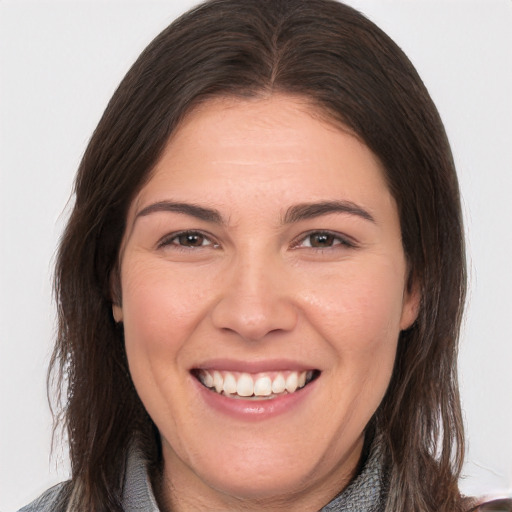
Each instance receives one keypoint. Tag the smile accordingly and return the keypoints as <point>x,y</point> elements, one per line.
<point>259,386</point>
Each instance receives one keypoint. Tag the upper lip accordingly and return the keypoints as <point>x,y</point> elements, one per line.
<point>272,365</point>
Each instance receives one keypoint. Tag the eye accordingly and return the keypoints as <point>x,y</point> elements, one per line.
<point>322,240</point>
<point>188,240</point>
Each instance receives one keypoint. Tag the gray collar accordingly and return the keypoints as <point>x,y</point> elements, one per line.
<point>364,494</point>
<point>137,492</point>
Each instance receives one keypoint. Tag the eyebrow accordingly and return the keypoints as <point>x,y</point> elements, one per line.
<point>306,211</point>
<point>294,214</point>
<point>193,210</point>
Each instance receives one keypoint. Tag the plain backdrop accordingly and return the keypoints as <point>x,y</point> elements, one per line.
<point>60,61</point>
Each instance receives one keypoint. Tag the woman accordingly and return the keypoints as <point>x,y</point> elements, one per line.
<point>261,283</point>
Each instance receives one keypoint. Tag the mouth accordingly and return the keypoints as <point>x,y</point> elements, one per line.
<point>255,386</point>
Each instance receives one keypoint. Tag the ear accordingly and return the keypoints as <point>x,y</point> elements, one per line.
<point>410,304</point>
<point>117,313</point>
<point>115,293</point>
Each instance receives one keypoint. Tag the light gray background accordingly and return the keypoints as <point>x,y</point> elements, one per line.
<point>59,64</point>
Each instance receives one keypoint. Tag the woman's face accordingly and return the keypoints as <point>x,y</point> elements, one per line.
<point>263,291</point>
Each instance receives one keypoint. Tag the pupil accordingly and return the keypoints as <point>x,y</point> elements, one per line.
<point>191,240</point>
<point>323,240</point>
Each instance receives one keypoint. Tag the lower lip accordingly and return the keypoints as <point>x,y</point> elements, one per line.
<point>254,410</point>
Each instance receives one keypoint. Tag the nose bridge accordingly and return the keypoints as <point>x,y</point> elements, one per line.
<point>255,298</point>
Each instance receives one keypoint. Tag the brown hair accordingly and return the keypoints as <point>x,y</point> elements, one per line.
<point>353,72</point>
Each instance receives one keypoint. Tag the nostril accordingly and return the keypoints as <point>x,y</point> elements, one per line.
<point>254,319</point>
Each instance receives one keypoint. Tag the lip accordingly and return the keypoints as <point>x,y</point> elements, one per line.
<point>253,410</point>
<point>253,367</point>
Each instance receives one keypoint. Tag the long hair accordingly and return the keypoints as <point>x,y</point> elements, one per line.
<point>355,74</point>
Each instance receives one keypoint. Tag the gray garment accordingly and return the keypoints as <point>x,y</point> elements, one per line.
<point>367,492</point>
<point>364,494</point>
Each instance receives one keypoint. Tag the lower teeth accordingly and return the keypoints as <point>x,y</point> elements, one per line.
<point>253,397</point>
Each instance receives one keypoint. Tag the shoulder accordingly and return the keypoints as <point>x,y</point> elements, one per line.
<point>497,505</point>
<point>52,500</point>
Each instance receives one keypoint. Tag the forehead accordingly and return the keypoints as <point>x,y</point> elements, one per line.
<point>263,154</point>
<point>273,120</point>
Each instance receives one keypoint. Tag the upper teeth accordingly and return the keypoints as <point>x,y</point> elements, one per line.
<point>261,384</point>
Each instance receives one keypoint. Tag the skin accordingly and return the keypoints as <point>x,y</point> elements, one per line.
<point>256,288</point>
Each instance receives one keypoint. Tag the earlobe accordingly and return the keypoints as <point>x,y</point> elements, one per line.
<point>410,306</point>
<point>117,313</point>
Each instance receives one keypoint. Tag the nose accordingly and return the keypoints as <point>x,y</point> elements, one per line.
<point>256,300</point>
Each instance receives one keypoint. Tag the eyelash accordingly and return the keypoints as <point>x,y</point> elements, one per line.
<point>169,240</point>
<point>335,239</point>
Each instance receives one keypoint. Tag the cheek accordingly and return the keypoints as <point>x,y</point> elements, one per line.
<point>358,314</point>
<point>161,309</point>
<point>157,298</point>
<point>362,307</point>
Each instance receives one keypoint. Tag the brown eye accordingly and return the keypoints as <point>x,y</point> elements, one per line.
<point>190,239</point>
<point>324,240</point>
<point>187,240</point>
<point>321,240</point>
